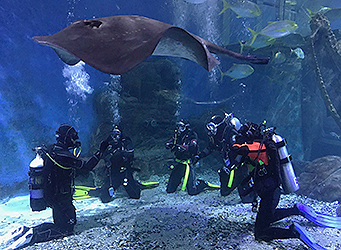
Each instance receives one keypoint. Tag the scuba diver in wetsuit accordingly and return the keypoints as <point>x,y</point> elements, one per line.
<point>60,167</point>
<point>222,132</point>
<point>184,145</point>
<point>257,149</point>
<point>119,157</point>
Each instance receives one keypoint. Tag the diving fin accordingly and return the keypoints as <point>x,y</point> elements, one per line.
<point>83,192</point>
<point>22,239</point>
<point>149,185</point>
<point>318,218</point>
<point>305,237</point>
<point>13,235</point>
<point>212,186</point>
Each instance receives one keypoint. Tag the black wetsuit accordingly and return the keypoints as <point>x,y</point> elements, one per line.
<point>222,143</point>
<point>59,191</point>
<point>267,186</point>
<point>184,147</point>
<point>119,157</point>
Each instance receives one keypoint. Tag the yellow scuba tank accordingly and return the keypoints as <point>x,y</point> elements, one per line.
<point>288,177</point>
<point>36,182</point>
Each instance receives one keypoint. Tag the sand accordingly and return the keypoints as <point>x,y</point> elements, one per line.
<point>168,221</point>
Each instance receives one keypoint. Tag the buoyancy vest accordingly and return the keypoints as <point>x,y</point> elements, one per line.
<point>257,151</point>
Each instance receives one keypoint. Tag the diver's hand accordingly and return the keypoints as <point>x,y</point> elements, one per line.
<point>227,170</point>
<point>104,145</point>
<point>169,145</point>
<point>181,148</point>
<point>196,158</point>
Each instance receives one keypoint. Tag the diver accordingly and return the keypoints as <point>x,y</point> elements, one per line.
<point>258,150</point>
<point>184,145</point>
<point>222,133</point>
<point>119,158</point>
<point>61,167</point>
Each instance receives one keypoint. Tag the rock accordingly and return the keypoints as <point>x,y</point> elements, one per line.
<point>321,179</point>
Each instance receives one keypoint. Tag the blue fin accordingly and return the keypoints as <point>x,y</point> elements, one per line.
<point>323,220</point>
<point>306,238</point>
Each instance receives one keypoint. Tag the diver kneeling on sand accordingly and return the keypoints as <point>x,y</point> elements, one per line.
<point>184,145</point>
<point>221,132</point>
<point>51,183</point>
<point>119,157</point>
<point>264,153</point>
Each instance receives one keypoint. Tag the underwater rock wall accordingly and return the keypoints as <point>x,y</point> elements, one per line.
<point>321,179</point>
<point>147,106</point>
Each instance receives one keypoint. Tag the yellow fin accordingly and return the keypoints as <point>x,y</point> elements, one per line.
<point>225,7</point>
<point>254,35</point>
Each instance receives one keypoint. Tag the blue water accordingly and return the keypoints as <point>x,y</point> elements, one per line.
<point>34,82</point>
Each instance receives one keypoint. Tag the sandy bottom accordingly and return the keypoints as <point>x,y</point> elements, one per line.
<point>168,221</point>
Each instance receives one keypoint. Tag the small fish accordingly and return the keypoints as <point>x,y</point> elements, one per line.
<point>237,71</point>
<point>298,52</point>
<point>260,42</point>
<point>242,8</point>
<point>335,135</point>
<point>275,29</point>
<point>289,2</point>
<point>322,10</point>
<point>279,58</point>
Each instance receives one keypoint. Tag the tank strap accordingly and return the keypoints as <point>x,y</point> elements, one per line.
<point>54,161</point>
<point>281,143</point>
<point>286,160</point>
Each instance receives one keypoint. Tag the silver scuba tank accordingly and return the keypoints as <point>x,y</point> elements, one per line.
<point>288,177</point>
<point>36,184</point>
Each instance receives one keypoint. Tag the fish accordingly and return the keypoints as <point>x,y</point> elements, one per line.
<point>116,44</point>
<point>335,135</point>
<point>261,41</point>
<point>322,10</point>
<point>237,71</point>
<point>289,2</point>
<point>279,58</point>
<point>298,52</point>
<point>242,8</point>
<point>275,29</point>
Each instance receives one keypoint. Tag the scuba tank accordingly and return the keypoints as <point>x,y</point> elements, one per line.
<point>36,182</point>
<point>288,177</point>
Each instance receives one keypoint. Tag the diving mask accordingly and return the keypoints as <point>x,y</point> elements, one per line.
<point>181,127</point>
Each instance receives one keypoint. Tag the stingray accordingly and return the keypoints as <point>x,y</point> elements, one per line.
<point>116,44</point>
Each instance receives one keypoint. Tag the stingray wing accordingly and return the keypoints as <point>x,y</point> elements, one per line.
<point>179,43</point>
<point>111,44</point>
